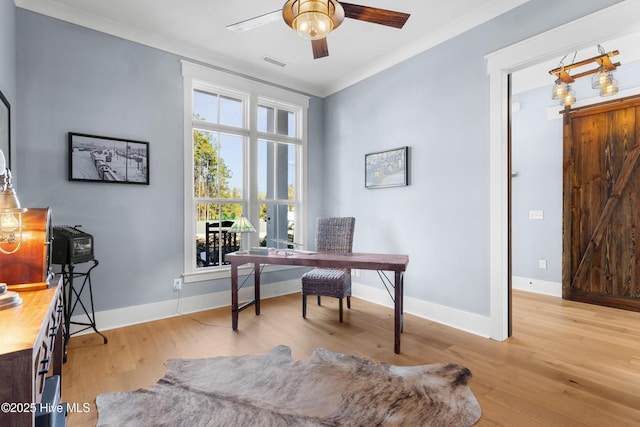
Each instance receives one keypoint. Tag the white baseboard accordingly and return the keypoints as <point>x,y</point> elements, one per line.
<point>537,286</point>
<point>459,319</point>
<point>127,316</point>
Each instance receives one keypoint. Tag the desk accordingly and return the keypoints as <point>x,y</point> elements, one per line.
<point>362,261</point>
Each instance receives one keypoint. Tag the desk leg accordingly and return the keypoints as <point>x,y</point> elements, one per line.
<point>256,289</point>
<point>399,309</point>
<point>234,297</point>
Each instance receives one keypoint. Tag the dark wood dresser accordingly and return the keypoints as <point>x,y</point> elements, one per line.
<point>31,349</point>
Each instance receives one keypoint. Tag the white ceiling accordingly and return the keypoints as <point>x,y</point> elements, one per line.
<point>196,29</point>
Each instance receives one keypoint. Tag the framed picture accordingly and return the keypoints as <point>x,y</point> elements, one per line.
<point>103,159</point>
<point>387,168</point>
<point>5,129</point>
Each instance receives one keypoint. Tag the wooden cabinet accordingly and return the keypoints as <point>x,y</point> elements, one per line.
<point>31,348</point>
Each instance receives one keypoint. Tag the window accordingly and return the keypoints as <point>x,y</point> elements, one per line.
<point>277,180</point>
<point>244,155</point>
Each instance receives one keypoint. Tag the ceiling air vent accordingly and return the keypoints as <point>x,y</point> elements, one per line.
<point>274,61</point>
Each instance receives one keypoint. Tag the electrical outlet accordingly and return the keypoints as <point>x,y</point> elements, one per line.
<point>177,284</point>
<point>542,264</point>
<point>536,214</point>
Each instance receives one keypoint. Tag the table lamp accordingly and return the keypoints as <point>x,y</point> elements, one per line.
<point>10,228</point>
<point>242,226</point>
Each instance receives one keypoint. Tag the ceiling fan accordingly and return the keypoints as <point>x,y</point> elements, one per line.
<point>314,19</point>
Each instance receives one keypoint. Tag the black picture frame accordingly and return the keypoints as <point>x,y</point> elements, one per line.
<point>5,129</point>
<point>388,168</point>
<point>94,158</point>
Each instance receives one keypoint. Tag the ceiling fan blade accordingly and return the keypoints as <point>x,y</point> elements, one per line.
<point>375,15</point>
<point>320,48</point>
<point>258,21</point>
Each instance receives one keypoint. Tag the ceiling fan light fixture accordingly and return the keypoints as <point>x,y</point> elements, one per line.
<point>313,18</point>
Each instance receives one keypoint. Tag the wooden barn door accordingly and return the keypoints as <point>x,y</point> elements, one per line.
<point>601,214</point>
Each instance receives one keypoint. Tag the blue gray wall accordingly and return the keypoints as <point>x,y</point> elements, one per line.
<point>436,103</point>
<point>8,58</point>
<point>537,159</point>
<point>74,79</point>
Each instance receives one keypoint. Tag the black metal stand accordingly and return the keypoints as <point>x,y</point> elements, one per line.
<point>72,299</point>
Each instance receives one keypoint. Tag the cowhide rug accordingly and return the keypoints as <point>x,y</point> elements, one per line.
<point>327,389</point>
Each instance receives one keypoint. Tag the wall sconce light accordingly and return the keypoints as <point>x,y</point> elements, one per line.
<point>10,212</point>
<point>602,77</point>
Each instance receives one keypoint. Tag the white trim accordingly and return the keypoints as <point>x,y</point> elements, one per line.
<point>226,81</point>
<point>614,21</point>
<point>127,316</point>
<point>498,207</point>
<point>606,24</point>
<point>537,286</point>
<point>253,93</point>
<point>440,35</point>
<point>133,315</point>
<point>186,50</point>
<point>459,319</point>
<point>553,113</point>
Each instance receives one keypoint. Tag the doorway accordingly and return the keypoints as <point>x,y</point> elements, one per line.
<point>588,31</point>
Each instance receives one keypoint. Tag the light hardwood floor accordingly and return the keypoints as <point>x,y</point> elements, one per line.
<point>568,364</point>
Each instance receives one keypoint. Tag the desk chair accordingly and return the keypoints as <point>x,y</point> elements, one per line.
<point>335,235</point>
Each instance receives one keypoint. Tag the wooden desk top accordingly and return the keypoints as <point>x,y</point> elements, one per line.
<point>363,261</point>
<point>20,326</point>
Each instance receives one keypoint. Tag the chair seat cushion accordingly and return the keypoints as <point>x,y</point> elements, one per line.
<point>326,282</point>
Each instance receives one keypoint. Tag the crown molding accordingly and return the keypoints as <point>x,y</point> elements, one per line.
<point>184,50</point>
<point>463,24</point>
<point>68,14</point>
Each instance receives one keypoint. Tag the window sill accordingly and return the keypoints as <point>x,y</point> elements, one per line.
<point>218,273</point>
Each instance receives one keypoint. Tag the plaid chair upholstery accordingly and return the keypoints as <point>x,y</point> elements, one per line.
<point>333,235</point>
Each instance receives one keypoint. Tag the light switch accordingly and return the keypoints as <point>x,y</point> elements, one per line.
<point>536,214</point>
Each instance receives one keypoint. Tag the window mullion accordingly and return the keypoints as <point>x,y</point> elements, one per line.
<point>215,127</point>
<point>279,138</point>
<point>251,161</point>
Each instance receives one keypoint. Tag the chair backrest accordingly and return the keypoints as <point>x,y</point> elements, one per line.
<point>335,234</point>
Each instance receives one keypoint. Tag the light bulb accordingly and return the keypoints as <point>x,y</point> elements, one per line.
<point>601,79</point>
<point>569,98</point>
<point>560,90</point>
<point>609,90</point>
<point>313,25</point>
<point>9,222</point>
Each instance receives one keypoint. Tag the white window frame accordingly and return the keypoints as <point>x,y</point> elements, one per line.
<point>253,94</point>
